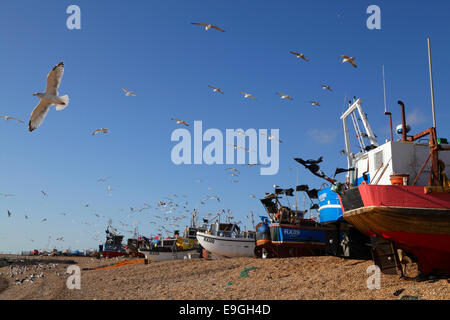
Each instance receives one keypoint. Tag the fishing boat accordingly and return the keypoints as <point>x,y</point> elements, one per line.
<point>287,233</point>
<point>398,193</point>
<point>173,248</point>
<point>227,240</point>
<point>113,246</point>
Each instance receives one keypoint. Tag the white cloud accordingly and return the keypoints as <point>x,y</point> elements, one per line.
<point>323,136</point>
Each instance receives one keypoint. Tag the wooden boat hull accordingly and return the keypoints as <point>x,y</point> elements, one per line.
<point>414,219</point>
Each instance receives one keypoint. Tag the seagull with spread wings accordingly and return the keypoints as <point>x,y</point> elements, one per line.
<point>271,137</point>
<point>248,95</point>
<point>315,103</point>
<point>180,121</point>
<point>299,55</point>
<point>208,26</point>
<point>348,59</point>
<point>10,118</point>
<point>325,87</point>
<point>128,93</point>
<point>103,130</point>
<point>49,97</point>
<point>215,89</point>
<point>284,96</point>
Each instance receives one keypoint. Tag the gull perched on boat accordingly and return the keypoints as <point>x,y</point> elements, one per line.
<point>128,93</point>
<point>103,130</point>
<point>207,26</point>
<point>315,103</point>
<point>248,95</point>
<point>284,96</point>
<point>180,121</point>
<point>299,55</point>
<point>325,87</point>
<point>215,89</point>
<point>348,59</point>
<point>49,97</point>
<point>10,118</point>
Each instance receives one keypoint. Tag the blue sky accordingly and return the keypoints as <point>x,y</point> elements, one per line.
<point>150,48</point>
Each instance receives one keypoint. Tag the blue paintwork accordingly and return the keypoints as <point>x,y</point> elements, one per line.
<point>328,197</point>
<point>287,233</point>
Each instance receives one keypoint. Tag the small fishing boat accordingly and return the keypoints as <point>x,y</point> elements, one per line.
<point>287,233</point>
<point>227,240</point>
<point>174,248</point>
<point>113,246</point>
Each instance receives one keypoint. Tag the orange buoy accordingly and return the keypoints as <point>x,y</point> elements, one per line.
<point>399,179</point>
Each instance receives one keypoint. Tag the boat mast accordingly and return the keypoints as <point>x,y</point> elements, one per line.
<point>431,84</point>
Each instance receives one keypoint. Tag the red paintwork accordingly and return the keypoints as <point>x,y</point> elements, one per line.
<point>432,250</point>
<point>402,196</point>
<point>113,254</point>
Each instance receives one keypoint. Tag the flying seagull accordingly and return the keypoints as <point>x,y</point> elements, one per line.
<point>10,118</point>
<point>180,121</point>
<point>45,194</point>
<point>49,97</point>
<point>271,137</point>
<point>325,87</point>
<point>348,59</point>
<point>299,55</point>
<point>9,213</point>
<point>104,130</point>
<point>6,195</point>
<point>128,93</point>
<point>284,96</point>
<point>315,103</point>
<point>215,89</point>
<point>248,95</point>
<point>207,26</point>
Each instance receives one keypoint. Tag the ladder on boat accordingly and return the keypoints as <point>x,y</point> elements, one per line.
<point>384,255</point>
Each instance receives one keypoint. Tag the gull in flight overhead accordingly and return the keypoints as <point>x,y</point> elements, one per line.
<point>299,55</point>
<point>248,95</point>
<point>10,118</point>
<point>284,96</point>
<point>103,179</point>
<point>315,103</point>
<point>239,147</point>
<point>180,121</point>
<point>9,213</point>
<point>207,26</point>
<point>6,195</point>
<point>271,137</point>
<point>215,89</point>
<point>325,87</point>
<point>348,59</point>
<point>49,97</point>
<point>104,130</point>
<point>45,194</point>
<point>128,93</point>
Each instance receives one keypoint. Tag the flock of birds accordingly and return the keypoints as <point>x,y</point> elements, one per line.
<point>50,97</point>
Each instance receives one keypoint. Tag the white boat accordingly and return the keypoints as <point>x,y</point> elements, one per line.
<point>226,240</point>
<point>153,255</point>
<point>167,249</point>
